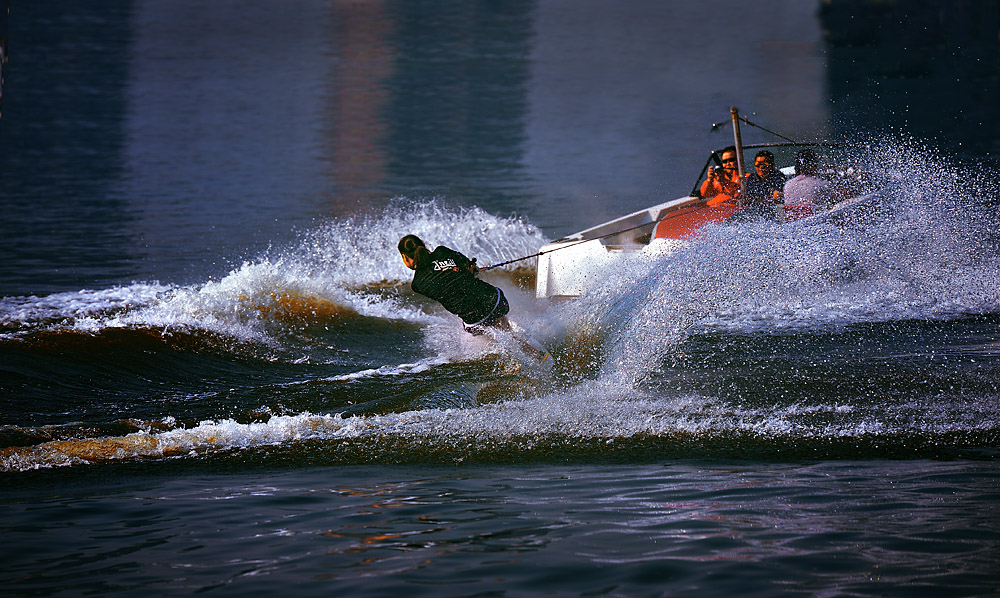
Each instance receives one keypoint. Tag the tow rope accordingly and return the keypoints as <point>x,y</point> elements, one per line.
<point>541,253</point>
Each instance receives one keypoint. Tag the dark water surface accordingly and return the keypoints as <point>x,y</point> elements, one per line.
<point>837,528</point>
<point>215,379</point>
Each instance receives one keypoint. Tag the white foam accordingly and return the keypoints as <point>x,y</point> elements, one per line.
<point>75,305</point>
<point>340,266</point>
<point>924,252</point>
<point>358,251</point>
<point>594,410</point>
<point>392,370</point>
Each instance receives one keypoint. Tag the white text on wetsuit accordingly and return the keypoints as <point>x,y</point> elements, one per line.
<point>444,265</point>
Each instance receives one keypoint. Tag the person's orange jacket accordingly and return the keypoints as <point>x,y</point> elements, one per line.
<point>727,186</point>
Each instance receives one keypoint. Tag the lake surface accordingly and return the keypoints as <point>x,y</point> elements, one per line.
<point>214,377</point>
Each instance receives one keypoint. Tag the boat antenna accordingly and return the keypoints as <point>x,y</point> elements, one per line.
<point>753,124</point>
<point>739,149</point>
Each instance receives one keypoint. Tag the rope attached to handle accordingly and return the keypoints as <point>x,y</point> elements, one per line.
<point>540,253</point>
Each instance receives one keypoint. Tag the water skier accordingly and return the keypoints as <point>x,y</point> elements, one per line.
<point>449,278</point>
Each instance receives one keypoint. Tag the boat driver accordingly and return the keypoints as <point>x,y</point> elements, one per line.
<point>765,187</point>
<point>766,184</point>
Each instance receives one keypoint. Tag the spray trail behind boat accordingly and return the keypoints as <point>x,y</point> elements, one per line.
<point>920,247</point>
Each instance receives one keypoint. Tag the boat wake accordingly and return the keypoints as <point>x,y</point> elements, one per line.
<point>594,420</point>
<point>664,359</point>
<point>341,271</point>
<point>920,248</point>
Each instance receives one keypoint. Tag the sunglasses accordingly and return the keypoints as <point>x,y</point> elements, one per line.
<point>729,160</point>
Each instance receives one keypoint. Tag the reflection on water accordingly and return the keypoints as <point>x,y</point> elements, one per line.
<point>357,129</point>
<point>159,141</point>
<point>428,100</point>
<point>459,101</point>
<point>223,125</point>
<point>187,137</point>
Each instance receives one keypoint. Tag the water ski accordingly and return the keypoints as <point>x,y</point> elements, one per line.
<point>525,342</point>
<point>530,344</point>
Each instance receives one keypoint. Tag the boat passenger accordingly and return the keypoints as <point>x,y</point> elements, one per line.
<point>723,182</point>
<point>806,193</point>
<point>449,278</point>
<point>764,187</point>
<point>766,184</point>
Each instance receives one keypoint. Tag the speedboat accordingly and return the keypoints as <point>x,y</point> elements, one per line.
<point>570,266</point>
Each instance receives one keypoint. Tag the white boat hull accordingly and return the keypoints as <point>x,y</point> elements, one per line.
<point>572,266</point>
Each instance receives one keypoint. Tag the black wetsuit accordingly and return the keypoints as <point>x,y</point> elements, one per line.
<point>446,278</point>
